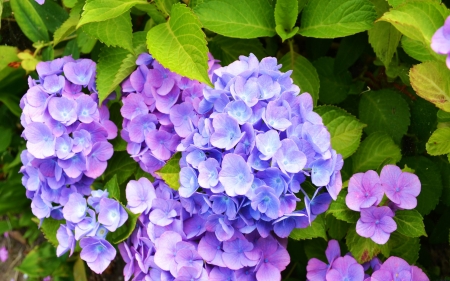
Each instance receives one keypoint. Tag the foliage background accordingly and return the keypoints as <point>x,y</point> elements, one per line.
<point>380,89</point>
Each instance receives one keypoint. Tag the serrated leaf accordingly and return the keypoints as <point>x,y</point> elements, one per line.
<point>350,49</point>
<point>404,247</point>
<point>364,249</point>
<point>122,165</point>
<point>8,54</point>
<point>227,50</point>
<point>152,11</point>
<point>336,18</point>
<point>410,223</point>
<point>384,39</point>
<point>49,228</point>
<point>112,186</point>
<point>340,210</point>
<point>52,14</point>
<point>337,229</point>
<point>113,32</point>
<point>170,173</point>
<point>344,128</point>
<point>29,20</point>
<point>180,44</point>
<point>417,19</point>
<point>165,5</point>
<point>439,142</point>
<point>430,180</point>
<point>101,10</point>
<point>303,73</point>
<point>238,18</point>
<point>385,111</point>
<point>85,42</point>
<point>377,148</point>
<point>116,64</point>
<point>315,230</point>
<point>286,12</point>
<point>125,230</point>
<point>417,50</point>
<point>431,81</point>
<point>67,28</point>
<point>334,87</point>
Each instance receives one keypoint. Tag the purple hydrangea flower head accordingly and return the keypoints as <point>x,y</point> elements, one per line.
<point>402,188</point>
<point>376,223</point>
<point>364,190</point>
<point>317,269</point>
<point>345,268</point>
<point>393,268</point>
<point>66,240</point>
<point>140,195</point>
<point>111,215</point>
<point>97,253</point>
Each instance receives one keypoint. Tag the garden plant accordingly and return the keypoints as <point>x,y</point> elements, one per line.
<point>214,140</point>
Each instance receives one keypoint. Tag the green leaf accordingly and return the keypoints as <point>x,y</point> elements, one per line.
<point>417,19</point>
<point>303,73</point>
<point>334,87</point>
<point>286,12</point>
<point>41,261</point>
<point>165,5</point>
<point>101,10</point>
<point>170,173</point>
<point>113,32</point>
<point>385,111</point>
<point>430,180</point>
<point>29,20</point>
<point>439,142</point>
<point>51,13</point>
<point>72,49</point>
<point>340,210</point>
<point>410,223</point>
<point>70,3</point>
<point>125,230</point>
<point>85,42</point>
<point>417,50</point>
<point>344,128</point>
<point>431,81</point>
<point>116,64</point>
<point>5,138</point>
<point>152,11</point>
<point>1,12</point>
<point>337,229</point>
<point>443,116</point>
<point>364,249</point>
<point>79,270</point>
<point>384,39</point>
<point>377,148</point>
<point>67,28</point>
<point>404,247</point>
<point>336,18</point>
<point>350,49</point>
<point>227,49</point>
<point>180,44</point>
<point>112,186</point>
<point>122,165</point>
<point>7,55</point>
<point>49,228</point>
<point>238,18</point>
<point>316,229</point>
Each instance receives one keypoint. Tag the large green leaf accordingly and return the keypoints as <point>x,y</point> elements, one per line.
<point>113,188</point>
<point>430,180</point>
<point>180,44</point>
<point>385,111</point>
<point>439,142</point>
<point>376,149</point>
<point>410,223</point>
<point>316,229</point>
<point>303,73</point>
<point>165,5</point>
<point>227,49</point>
<point>51,13</point>
<point>49,227</point>
<point>336,18</point>
<point>344,128</point>
<point>364,249</point>
<point>7,55</point>
<point>116,64</point>
<point>41,262</point>
<point>340,210</point>
<point>404,247</point>
<point>350,49</point>
<point>286,12</point>
<point>431,81</point>
<point>417,19</point>
<point>419,51</point>
<point>101,10</point>
<point>384,39</point>
<point>334,87</point>
<point>122,165</point>
<point>29,21</point>
<point>113,32</point>
<point>67,28</point>
<point>238,18</point>
<point>170,173</point>
<point>337,229</point>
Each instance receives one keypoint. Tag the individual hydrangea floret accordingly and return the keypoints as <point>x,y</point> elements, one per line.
<point>364,190</point>
<point>401,188</point>
<point>440,42</point>
<point>376,223</point>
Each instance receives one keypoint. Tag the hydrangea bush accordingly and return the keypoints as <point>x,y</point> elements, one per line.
<point>225,140</point>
